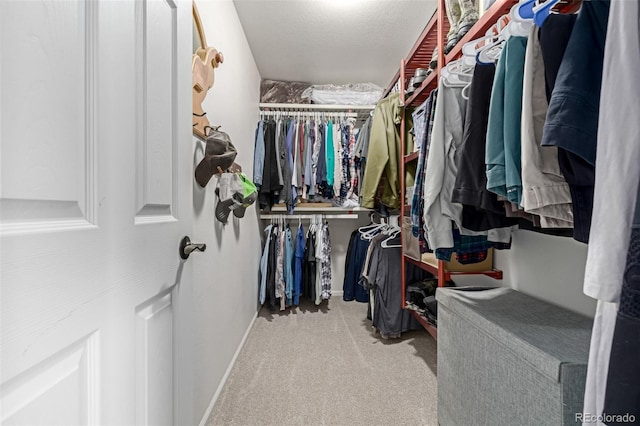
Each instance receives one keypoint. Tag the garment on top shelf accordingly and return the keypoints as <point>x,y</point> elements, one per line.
<point>481,210</point>
<point>330,153</point>
<point>321,174</point>
<point>337,158</point>
<point>258,155</point>
<point>503,130</point>
<point>280,153</point>
<point>315,156</point>
<point>271,186</point>
<point>545,191</point>
<point>293,194</point>
<point>572,119</point>
<point>352,164</point>
<point>298,147</point>
<point>361,152</point>
<point>309,183</point>
<point>384,154</point>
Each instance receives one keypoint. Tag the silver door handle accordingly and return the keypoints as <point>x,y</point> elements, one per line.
<point>187,247</point>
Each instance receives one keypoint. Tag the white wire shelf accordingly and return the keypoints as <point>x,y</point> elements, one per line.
<point>309,216</point>
<point>315,107</point>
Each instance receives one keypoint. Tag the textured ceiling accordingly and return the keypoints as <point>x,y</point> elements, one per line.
<point>332,41</point>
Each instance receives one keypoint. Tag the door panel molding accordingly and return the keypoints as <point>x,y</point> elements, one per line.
<point>33,397</point>
<point>49,175</point>
<point>156,115</point>
<point>154,360</point>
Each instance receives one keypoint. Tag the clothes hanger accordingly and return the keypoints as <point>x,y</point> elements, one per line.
<point>394,234</point>
<point>368,235</point>
<point>472,48</point>
<point>525,9</point>
<point>541,11</point>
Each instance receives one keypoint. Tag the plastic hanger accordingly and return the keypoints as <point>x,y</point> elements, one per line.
<point>381,227</point>
<point>542,10</point>
<point>525,9</point>
<point>472,48</point>
<point>393,234</point>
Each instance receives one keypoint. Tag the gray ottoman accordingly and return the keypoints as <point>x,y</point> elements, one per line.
<point>505,358</point>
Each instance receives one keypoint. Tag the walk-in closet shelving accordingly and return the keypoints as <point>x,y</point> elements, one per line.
<point>359,112</point>
<point>434,35</point>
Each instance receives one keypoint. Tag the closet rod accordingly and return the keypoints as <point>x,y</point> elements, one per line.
<point>315,107</point>
<point>308,216</point>
<point>312,113</point>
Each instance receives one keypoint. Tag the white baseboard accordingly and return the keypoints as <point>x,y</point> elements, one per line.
<point>207,413</point>
<point>337,293</point>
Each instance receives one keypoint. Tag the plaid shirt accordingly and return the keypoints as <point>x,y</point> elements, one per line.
<point>417,203</point>
<point>470,249</point>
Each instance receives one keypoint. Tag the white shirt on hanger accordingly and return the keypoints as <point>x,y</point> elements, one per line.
<point>617,177</point>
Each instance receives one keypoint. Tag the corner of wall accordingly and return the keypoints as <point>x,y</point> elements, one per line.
<point>225,297</point>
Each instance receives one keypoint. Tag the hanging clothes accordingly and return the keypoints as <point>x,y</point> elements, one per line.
<point>351,165</point>
<point>381,275</point>
<point>616,181</point>
<point>259,155</point>
<point>504,127</point>
<point>299,265</point>
<point>323,264</point>
<point>310,268</point>
<point>264,261</point>
<point>384,154</point>
<point>622,396</point>
<point>572,119</point>
<point>288,266</point>
<point>354,261</point>
<point>337,158</point>
<point>481,210</point>
<point>545,191</point>
<point>271,269</point>
<point>270,185</point>
<point>422,128</point>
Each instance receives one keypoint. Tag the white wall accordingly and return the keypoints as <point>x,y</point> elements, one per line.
<point>225,287</point>
<point>547,267</point>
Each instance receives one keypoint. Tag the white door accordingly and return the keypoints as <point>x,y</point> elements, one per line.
<point>96,193</point>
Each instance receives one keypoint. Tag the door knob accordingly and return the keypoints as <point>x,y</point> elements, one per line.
<point>187,247</point>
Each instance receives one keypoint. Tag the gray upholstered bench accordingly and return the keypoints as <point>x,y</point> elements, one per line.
<point>505,358</point>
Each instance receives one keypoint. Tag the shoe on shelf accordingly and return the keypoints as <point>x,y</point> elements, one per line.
<point>433,64</point>
<point>451,43</point>
<point>464,28</point>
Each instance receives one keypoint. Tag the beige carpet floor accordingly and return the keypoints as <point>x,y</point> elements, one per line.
<point>325,366</point>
